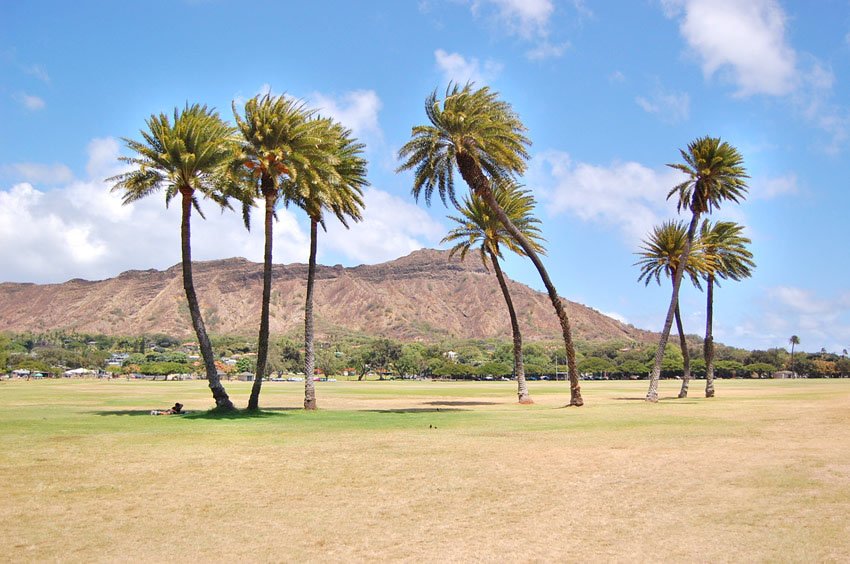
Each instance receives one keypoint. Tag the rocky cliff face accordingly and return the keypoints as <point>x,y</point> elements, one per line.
<point>423,296</point>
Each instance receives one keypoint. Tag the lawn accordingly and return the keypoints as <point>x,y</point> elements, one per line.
<point>426,471</point>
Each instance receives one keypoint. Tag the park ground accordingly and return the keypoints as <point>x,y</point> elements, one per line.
<point>426,471</point>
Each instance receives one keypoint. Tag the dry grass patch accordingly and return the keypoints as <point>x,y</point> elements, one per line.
<point>426,471</point>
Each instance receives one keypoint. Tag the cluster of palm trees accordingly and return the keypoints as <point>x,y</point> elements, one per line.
<point>719,252</point>
<point>281,152</point>
<point>715,174</point>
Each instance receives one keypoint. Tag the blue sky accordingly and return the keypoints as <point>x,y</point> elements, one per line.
<point>608,90</point>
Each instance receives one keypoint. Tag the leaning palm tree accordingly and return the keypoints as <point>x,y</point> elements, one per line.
<point>727,258</point>
<point>335,185</point>
<point>479,226</point>
<point>794,341</point>
<point>660,256</point>
<point>187,156</point>
<point>475,131</point>
<point>280,145</point>
<point>715,174</point>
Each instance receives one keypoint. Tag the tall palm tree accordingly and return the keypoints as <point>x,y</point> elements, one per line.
<point>188,155</point>
<point>475,131</point>
<point>715,174</point>
<point>335,185</point>
<point>479,226</point>
<point>660,255</point>
<point>727,258</point>
<point>280,145</point>
<point>794,340</point>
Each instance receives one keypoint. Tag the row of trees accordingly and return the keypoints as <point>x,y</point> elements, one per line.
<point>280,152</point>
<point>383,357</point>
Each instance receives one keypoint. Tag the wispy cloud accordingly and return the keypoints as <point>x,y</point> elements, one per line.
<point>670,107</point>
<point>457,68</point>
<point>530,20</point>
<point>744,42</point>
<point>30,102</point>
<point>38,71</point>
<point>626,196</point>
<point>50,174</point>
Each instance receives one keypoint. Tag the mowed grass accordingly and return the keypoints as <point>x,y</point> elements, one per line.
<point>426,471</point>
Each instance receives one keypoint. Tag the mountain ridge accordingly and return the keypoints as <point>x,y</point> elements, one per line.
<point>423,296</point>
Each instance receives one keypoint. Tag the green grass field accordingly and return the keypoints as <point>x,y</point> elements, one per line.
<point>426,471</point>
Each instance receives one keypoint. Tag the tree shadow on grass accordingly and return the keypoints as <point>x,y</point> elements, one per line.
<point>461,403</point>
<point>211,414</point>
<point>665,398</point>
<point>415,410</point>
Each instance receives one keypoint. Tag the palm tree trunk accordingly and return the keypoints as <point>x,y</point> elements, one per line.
<point>519,368</point>
<point>686,357</point>
<point>270,195</point>
<point>222,401</point>
<point>708,345</point>
<point>479,183</point>
<point>652,393</point>
<point>309,358</point>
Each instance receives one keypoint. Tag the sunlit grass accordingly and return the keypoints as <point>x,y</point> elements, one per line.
<point>426,471</point>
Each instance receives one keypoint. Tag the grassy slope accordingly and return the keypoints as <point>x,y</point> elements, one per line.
<point>428,471</point>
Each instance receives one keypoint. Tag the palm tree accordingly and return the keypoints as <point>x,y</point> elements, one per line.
<point>336,185</point>
<point>726,257</point>
<point>187,156</point>
<point>475,131</point>
<point>715,174</point>
<point>479,226</point>
<point>660,255</point>
<point>794,340</point>
<point>280,145</point>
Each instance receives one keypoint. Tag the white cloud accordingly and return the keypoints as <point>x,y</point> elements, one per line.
<point>391,227</point>
<point>670,107</point>
<point>787,310</point>
<point>357,110</point>
<point>37,172</point>
<point>527,18</point>
<point>83,230</point>
<point>770,188</point>
<point>32,103</point>
<point>530,20</point>
<point>743,41</point>
<point>457,68</point>
<point>625,195</point>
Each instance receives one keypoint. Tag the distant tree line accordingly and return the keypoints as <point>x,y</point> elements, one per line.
<point>363,357</point>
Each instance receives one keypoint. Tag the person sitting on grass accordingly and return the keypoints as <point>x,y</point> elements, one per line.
<point>177,409</point>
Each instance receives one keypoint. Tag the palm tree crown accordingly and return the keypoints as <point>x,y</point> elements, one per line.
<point>336,182</point>
<point>472,123</point>
<point>480,226</point>
<point>187,154</point>
<point>715,173</point>
<point>725,251</point>
<point>281,142</point>
<point>662,250</point>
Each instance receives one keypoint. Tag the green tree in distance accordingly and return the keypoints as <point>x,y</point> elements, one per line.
<point>475,131</point>
<point>188,155</point>
<point>479,226</point>
<point>715,173</point>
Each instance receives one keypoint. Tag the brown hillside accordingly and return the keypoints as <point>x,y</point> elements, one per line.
<point>423,296</point>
